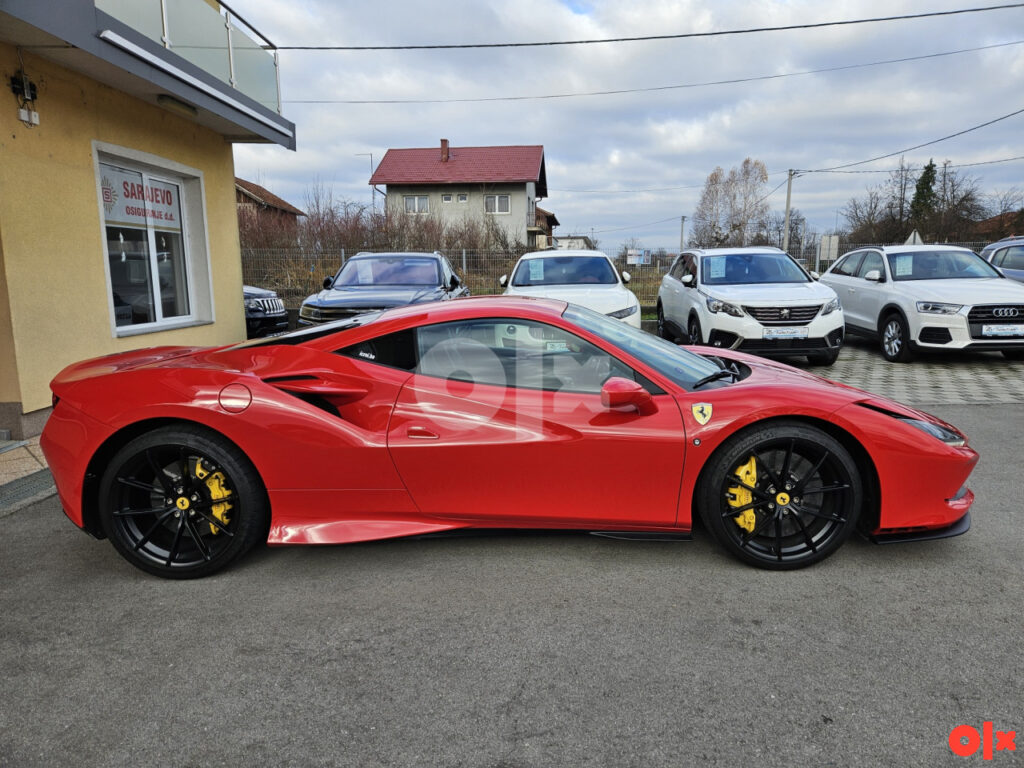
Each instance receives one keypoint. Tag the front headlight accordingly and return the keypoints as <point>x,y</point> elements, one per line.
<point>831,307</point>
<point>717,305</point>
<point>251,304</point>
<point>938,308</point>
<point>948,436</point>
<point>622,313</point>
<point>307,312</point>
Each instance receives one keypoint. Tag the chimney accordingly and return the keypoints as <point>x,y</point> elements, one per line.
<point>444,150</point>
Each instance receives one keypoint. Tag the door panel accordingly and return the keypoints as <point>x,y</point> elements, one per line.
<point>490,453</point>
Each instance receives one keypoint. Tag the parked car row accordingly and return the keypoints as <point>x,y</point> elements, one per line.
<point>909,297</point>
<point>753,299</point>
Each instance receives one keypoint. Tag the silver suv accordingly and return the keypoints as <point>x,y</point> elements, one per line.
<point>1007,255</point>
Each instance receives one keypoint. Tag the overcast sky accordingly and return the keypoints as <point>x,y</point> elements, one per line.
<point>617,164</point>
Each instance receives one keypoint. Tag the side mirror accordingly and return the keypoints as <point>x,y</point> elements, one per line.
<point>815,275</point>
<point>454,283</point>
<point>626,277</point>
<point>618,392</point>
<point>328,281</point>
<point>687,280</point>
<point>875,276</point>
<point>503,280</point>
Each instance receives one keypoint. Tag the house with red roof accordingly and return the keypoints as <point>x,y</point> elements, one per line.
<point>263,205</point>
<point>495,185</point>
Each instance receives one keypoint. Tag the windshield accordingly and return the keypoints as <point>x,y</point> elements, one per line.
<point>939,265</point>
<point>675,363</point>
<point>315,332</point>
<point>751,268</point>
<point>565,270</point>
<point>389,270</point>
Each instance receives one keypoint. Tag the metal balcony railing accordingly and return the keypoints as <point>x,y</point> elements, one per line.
<point>210,35</point>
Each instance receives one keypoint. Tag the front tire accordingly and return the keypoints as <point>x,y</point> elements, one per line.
<point>780,496</point>
<point>182,502</point>
<point>693,332</point>
<point>895,339</point>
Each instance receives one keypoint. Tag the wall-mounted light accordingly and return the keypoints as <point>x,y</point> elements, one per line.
<point>176,105</point>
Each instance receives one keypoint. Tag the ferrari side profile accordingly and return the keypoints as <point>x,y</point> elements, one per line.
<point>490,412</point>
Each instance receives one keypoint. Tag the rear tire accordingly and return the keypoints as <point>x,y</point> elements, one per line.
<point>182,502</point>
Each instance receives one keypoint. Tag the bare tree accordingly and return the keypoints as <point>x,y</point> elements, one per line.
<point>866,217</point>
<point>731,206</point>
<point>959,204</point>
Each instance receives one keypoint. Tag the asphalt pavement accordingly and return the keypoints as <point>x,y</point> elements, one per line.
<point>520,650</point>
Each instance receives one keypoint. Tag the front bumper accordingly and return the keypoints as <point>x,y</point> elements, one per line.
<point>262,325</point>
<point>958,331</point>
<point>822,334</point>
<point>956,528</point>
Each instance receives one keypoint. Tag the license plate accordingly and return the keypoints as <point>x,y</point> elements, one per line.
<point>1002,330</point>
<point>785,333</point>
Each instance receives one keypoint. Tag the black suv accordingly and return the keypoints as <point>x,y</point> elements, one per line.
<point>264,312</point>
<point>373,281</point>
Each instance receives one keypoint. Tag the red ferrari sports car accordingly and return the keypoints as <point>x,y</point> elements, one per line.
<point>492,412</point>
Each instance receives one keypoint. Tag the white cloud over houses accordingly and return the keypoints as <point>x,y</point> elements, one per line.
<point>667,140</point>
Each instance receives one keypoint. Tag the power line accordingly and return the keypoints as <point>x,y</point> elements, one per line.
<point>958,165</point>
<point>687,35</point>
<point>620,91</point>
<point>635,226</point>
<point>918,146</point>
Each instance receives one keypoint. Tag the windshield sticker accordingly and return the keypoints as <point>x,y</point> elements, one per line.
<point>716,268</point>
<point>536,269</point>
<point>903,265</point>
<point>364,270</point>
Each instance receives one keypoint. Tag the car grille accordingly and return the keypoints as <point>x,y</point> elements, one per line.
<point>994,315</point>
<point>997,313</point>
<point>326,314</point>
<point>270,306</point>
<point>783,315</point>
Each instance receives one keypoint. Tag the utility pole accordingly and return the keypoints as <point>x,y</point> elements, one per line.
<point>373,189</point>
<point>785,227</point>
<point>682,228</point>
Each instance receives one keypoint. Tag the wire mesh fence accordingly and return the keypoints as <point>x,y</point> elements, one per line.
<point>295,273</point>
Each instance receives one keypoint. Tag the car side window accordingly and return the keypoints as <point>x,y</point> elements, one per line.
<point>677,269</point>
<point>872,260</point>
<point>395,350</point>
<point>1012,258</point>
<point>849,264</point>
<point>515,353</point>
<point>690,267</point>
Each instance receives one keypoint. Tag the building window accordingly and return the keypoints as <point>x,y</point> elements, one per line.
<point>416,204</point>
<point>149,265</point>
<point>496,203</point>
<point>463,197</point>
<point>446,198</point>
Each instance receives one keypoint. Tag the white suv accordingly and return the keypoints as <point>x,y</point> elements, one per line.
<point>754,299</point>
<point>587,278</point>
<point>929,297</point>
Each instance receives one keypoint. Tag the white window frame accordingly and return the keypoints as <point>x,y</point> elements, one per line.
<point>416,204</point>
<point>446,197</point>
<point>463,197</point>
<point>497,205</point>
<point>194,236</point>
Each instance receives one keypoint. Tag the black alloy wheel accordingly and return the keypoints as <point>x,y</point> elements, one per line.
<point>662,330</point>
<point>781,496</point>
<point>182,502</point>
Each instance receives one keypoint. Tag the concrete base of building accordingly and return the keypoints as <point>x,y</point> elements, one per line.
<point>22,425</point>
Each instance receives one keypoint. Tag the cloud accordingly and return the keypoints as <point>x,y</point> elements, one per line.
<point>666,139</point>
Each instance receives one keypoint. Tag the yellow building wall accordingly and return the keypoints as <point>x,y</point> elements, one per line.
<point>51,235</point>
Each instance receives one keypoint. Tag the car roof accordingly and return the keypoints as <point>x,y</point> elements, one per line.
<point>559,252</point>
<point>392,254</point>
<point>917,248</point>
<point>738,250</point>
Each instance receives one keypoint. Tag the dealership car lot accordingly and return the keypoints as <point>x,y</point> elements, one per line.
<point>522,650</point>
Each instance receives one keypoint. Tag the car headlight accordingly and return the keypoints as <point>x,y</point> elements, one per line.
<point>717,305</point>
<point>307,312</point>
<point>938,308</point>
<point>251,304</point>
<point>948,436</point>
<point>625,312</point>
<point>831,307</point>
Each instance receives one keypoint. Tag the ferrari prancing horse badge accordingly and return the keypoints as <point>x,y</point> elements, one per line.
<point>701,412</point>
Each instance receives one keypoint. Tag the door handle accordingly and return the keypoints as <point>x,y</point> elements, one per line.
<point>421,433</point>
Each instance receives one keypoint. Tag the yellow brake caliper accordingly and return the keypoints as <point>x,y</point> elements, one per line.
<point>741,497</point>
<point>218,490</point>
